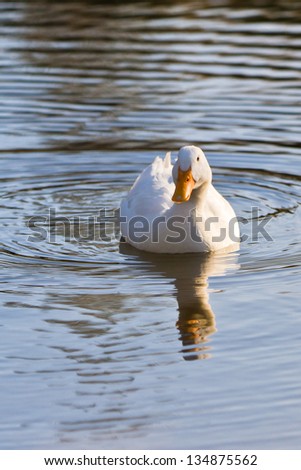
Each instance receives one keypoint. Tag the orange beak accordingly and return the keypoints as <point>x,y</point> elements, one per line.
<point>184,186</point>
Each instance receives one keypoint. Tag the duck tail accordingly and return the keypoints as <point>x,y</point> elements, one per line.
<point>167,160</point>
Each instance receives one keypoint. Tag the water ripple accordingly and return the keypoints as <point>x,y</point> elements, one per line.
<point>104,346</point>
<point>74,82</point>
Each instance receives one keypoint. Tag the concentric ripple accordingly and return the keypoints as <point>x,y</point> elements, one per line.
<point>72,217</point>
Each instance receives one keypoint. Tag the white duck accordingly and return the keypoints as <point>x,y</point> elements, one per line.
<point>176,209</point>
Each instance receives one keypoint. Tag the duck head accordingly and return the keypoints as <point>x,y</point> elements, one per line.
<point>190,172</point>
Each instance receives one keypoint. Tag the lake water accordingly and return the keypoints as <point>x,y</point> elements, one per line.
<point>102,346</point>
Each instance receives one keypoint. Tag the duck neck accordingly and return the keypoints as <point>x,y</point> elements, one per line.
<point>199,194</point>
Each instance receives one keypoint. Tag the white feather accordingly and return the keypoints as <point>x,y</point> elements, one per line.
<point>149,207</point>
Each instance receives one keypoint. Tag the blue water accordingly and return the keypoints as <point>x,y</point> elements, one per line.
<point>102,346</point>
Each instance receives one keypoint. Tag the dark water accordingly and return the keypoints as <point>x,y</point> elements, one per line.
<point>105,347</point>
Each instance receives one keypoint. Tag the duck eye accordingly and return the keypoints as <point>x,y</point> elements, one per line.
<point>198,158</point>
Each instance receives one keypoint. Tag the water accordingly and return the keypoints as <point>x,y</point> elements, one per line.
<point>106,347</point>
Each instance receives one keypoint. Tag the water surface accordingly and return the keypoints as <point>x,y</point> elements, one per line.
<point>105,347</point>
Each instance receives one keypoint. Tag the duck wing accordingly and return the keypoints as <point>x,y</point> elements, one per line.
<point>150,195</point>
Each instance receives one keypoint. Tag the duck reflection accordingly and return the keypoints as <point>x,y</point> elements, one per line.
<point>189,273</point>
